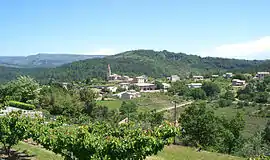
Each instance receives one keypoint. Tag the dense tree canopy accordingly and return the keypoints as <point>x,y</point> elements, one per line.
<point>13,128</point>
<point>23,89</point>
<point>211,89</point>
<point>178,88</point>
<point>197,93</point>
<point>200,125</point>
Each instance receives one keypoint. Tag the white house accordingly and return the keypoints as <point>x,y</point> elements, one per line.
<point>124,85</point>
<point>112,89</point>
<point>146,86</point>
<point>197,78</point>
<point>228,75</point>
<point>261,75</point>
<point>125,78</point>
<point>194,85</point>
<point>140,79</point>
<point>114,77</point>
<point>130,94</point>
<point>215,76</point>
<point>238,82</point>
<point>166,86</point>
<point>173,78</point>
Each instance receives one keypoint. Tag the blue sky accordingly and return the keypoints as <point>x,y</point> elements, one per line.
<point>224,28</point>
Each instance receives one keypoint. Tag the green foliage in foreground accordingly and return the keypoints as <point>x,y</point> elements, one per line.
<point>101,141</point>
<point>13,128</point>
<point>168,153</point>
<point>255,146</point>
<point>92,141</point>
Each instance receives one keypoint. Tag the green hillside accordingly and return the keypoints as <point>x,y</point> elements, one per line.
<point>148,62</point>
<point>137,62</point>
<point>43,60</point>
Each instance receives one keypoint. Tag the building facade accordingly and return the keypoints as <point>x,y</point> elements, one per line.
<point>173,78</point>
<point>194,85</point>
<point>197,78</point>
<point>261,75</point>
<point>130,94</point>
<point>146,86</point>
<point>238,82</point>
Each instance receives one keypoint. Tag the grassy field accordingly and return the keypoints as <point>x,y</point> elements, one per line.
<point>186,153</point>
<point>169,153</point>
<point>37,152</point>
<point>253,124</point>
<point>112,104</point>
<point>147,101</point>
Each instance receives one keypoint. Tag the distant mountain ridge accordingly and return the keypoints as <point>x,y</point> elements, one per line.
<point>43,60</point>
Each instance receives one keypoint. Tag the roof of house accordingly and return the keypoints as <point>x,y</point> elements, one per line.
<point>140,77</point>
<point>111,87</point>
<point>238,80</point>
<point>131,92</point>
<point>166,84</point>
<point>197,76</point>
<point>144,84</point>
<point>124,83</point>
<point>195,84</point>
<point>263,73</point>
<point>114,75</point>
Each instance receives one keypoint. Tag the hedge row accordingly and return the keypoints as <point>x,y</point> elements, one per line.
<point>21,105</point>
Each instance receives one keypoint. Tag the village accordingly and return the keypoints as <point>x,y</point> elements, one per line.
<point>125,87</point>
<point>122,87</point>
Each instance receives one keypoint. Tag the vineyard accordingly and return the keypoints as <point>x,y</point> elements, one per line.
<point>91,141</point>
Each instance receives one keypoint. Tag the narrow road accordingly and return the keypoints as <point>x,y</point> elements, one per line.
<point>180,105</point>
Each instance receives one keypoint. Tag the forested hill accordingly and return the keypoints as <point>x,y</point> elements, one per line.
<point>150,63</point>
<point>137,62</point>
<point>43,60</point>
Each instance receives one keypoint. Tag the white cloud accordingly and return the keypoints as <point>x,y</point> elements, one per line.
<point>256,49</point>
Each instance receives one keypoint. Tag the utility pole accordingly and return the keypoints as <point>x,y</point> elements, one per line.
<point>174,141</point>
<point>128,117</point>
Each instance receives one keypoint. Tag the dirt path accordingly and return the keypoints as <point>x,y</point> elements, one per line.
<point>180,105</point>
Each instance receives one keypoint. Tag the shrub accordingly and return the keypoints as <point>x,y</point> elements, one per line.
<point>21,105</point>
<point>261,97</point>
<point>224,102</point>
<point>242,104</point>
<point>197,93</point>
